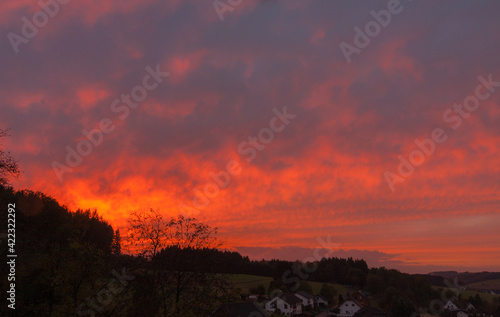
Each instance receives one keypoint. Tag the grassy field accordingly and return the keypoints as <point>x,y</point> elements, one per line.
<point>467,293</point>
<point>246,282</point>
<point>491,284</point>
<point>484,296</point>
<point>316,287</point>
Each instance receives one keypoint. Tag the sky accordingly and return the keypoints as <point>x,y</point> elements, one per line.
<point>371,125</point>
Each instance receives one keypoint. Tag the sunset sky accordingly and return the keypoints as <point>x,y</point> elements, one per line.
<point>233,66</point>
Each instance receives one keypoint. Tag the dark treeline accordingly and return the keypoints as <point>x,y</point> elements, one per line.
<point>381,282</point>
<point>71,264</point>
<point>467,277</point>
<point>60,255</point>
<point>331,270</point>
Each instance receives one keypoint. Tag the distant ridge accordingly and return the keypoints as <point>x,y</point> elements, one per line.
<point>446,274</point>
<point>468,277</point>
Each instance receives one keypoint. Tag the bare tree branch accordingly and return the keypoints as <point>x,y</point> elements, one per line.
<point>8,166</point>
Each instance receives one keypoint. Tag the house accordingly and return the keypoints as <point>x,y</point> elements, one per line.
<point>470,307</point>
<point>307,299</point>
<point>287,303</point>
<point>450,306</point>
<point>361,298</point>
<point>369,312</point>
<point>348,308</point>
<point>320,301</point>
<point>462,314</point>
<point>245,309</point>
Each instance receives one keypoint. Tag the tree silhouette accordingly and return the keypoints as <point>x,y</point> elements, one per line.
<point>116,244</point>
<point>478,302</point>
<point>8,166</point>
<point>147,233</point>
<point>401,306</point>
<point>183,268</point>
